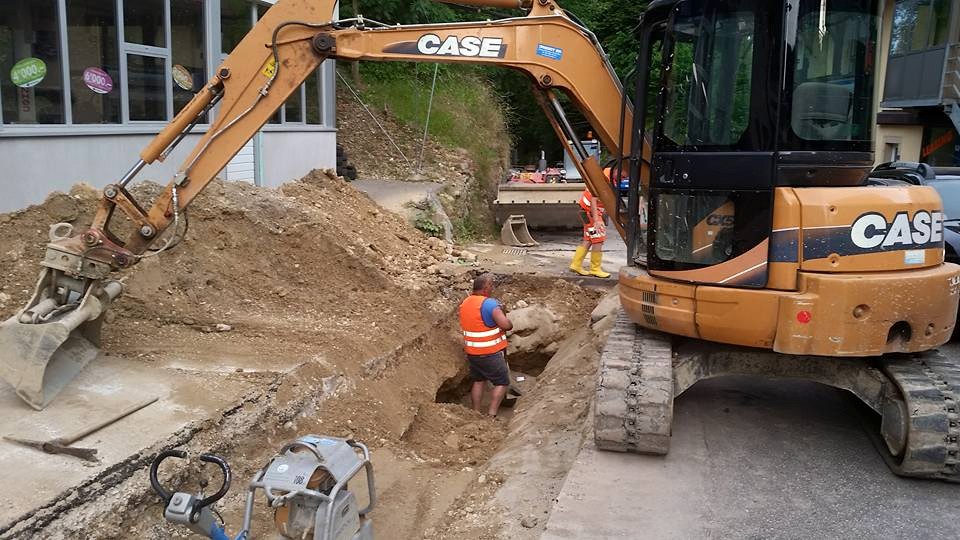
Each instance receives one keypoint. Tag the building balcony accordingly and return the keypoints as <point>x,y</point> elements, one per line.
<point>927,78</point>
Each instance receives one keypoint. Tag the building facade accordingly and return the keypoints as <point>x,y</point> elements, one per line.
<point>86,84</point>
<point>919,109</point>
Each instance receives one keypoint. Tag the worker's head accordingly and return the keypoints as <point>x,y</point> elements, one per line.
<point>483,284</point>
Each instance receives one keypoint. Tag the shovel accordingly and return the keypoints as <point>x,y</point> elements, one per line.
<point>61,445</point>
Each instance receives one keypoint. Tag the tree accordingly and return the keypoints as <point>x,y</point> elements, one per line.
<point>614,22</point>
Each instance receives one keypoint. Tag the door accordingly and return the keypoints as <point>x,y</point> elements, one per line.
<point>711,188</point>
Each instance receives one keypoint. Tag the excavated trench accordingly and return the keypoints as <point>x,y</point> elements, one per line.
<point>407,404</point>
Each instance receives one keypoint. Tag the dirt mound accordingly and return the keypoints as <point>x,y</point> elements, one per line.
<point>315,262</point>
<point>451,434</point>
<point>24,234</point>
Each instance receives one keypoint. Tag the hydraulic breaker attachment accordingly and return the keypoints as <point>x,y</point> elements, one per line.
<point>43,347</point>
<point>515,232</point>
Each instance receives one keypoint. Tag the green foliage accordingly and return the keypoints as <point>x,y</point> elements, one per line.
<point>428,226</point>
<point>467,229</point>
<point>613,21</point>
<point>465,113</point>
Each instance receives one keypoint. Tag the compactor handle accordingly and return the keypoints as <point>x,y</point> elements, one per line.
<point>207,458</point>
<point>155,466</point>
<point>224,488</point>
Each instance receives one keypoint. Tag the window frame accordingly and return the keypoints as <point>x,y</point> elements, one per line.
<point>137,49</point>
<point>931,29</point>
<point>213,58</point>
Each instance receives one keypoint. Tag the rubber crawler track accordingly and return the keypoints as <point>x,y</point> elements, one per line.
<point>634,409</point>
<point>930,384</point>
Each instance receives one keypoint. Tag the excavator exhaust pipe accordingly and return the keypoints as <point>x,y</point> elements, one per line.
<point>43,347</point>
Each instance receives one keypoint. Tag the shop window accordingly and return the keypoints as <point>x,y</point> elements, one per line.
<point>143,22</point>
<point>941,147</point>
<point>262,10</point>
<point>94,62</point>
<point>919,25</point>
<point>236,19</point>
<point>293,108</point>
<point>31,79</point>
<point>147,84</point>
<point>313,101</point>
<point>189,71</point>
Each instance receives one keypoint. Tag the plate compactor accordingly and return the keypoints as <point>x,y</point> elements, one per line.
<point>306,484</point>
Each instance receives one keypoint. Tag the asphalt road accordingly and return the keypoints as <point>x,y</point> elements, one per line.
<point>754,458</point>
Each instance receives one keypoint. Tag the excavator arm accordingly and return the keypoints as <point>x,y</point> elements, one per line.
<point>50,340</point>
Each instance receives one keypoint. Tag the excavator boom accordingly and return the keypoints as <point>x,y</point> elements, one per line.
<point>57,333</point>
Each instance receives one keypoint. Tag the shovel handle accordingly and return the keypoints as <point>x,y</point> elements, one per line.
<point>67,441</point>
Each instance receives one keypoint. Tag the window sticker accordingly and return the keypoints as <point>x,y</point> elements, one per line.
<point>182,77</point>
<point>28,72</point>
<point>97,80</point>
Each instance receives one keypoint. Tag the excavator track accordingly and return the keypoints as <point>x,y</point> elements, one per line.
<point>634,407</point>
<point>929,384</point>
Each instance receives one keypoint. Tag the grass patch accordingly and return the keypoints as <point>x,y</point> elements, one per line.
<point>466,113</point>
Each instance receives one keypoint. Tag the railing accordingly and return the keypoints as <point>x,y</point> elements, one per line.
<point>915,79</point>
<point>951,74</point>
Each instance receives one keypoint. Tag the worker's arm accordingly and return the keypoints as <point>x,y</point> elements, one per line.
<point>501,319</point>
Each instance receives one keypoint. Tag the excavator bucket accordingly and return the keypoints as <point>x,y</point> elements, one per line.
<point>46,345</point>
<point>515,232</point>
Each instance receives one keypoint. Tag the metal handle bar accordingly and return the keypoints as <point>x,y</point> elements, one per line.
<point>154,481</point>
<point>224,488</point>
<point>208,458</point>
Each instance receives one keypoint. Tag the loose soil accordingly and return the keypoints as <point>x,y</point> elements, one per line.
<point>312,271</point>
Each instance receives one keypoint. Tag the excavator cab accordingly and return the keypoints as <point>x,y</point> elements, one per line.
<point>753,95</point>
<point>760,136</point>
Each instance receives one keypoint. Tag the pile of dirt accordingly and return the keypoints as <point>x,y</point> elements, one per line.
<point>315,264</point>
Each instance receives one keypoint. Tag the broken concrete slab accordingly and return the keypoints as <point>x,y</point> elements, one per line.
<point>107,386</point>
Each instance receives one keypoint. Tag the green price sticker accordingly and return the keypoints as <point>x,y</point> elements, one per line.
<point>28,72</point>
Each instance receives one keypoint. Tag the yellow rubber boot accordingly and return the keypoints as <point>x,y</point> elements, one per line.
<point>596,260</point>
<point>577,264</point>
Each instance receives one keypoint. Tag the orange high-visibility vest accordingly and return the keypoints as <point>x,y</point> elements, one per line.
<point>587,199</point>
<point>478,338</point>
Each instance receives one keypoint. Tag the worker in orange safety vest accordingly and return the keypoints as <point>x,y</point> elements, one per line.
<point>594,235</point>
<point>485,324</point>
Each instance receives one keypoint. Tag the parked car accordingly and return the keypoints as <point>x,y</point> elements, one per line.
<point>948,186</point>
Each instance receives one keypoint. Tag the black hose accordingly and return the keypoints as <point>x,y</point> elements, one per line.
<point>155,466</point>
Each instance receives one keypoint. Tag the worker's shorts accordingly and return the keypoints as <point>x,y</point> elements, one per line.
<point>491,367</point>
<point>591,233</point>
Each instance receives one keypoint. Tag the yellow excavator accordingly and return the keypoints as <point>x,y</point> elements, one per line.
<point>766,251</point>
